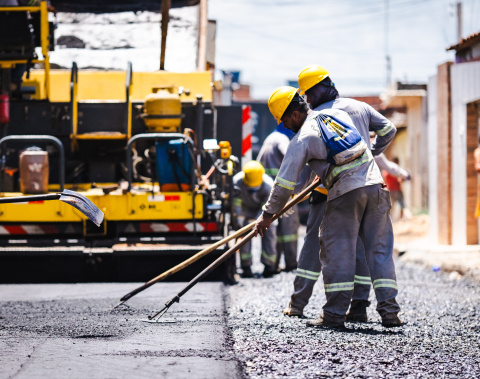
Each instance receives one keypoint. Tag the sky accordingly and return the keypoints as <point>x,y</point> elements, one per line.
<point>270,41</point>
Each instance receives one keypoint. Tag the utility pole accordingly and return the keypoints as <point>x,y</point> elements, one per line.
<point>459,21</point>
<point>164,29</point>
<point>388,60</point>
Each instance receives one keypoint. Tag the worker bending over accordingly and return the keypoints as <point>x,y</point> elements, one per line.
<point>270,156</point>
<point>357,205</point>
<point>315,82</point>
<point>252,189</point>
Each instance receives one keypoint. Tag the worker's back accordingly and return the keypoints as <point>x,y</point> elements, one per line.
<point>272,152</point>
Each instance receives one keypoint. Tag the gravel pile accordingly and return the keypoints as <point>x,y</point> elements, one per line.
<point>442,337</point>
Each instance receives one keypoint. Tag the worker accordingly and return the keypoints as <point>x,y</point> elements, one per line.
<point>394,185</point>
<point>315,82</point>
<point>356,206</point>
<point>252,187</point>
<point>271,156</point>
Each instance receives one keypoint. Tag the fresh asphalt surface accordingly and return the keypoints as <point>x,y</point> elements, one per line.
<point>68,331</point>
<point>60,331</point>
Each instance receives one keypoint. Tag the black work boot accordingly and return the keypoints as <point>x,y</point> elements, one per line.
<point>391,320</point>
<point>321,322</point>
<point>269,271</point>
<point>358,311</point>
<point>247,272</point>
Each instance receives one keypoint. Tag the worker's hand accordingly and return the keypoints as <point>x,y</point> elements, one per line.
<point>262,224</point>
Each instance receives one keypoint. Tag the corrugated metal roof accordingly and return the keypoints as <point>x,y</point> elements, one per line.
<point>114,6</point>
<point>465,42</point>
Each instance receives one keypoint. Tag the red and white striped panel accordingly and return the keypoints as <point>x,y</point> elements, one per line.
<point>165,227</point>
<point>247,129</point>
<point>28,229</point>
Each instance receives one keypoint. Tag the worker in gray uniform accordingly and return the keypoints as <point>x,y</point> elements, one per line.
<point>357,205</point>
<point>252,187</point>
<point>315,82</point>
<point>309,266</point>
<point>270,156</point>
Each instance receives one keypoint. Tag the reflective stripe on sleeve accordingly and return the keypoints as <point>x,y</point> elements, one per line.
<point>285,183</point>
<point>336,287</point>
<point>385,130</point>
<point>365,157</point>
<point>363,280</point>
<point>382,283</point>
<point>312,275</point>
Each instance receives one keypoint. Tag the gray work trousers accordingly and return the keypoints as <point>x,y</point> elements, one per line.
<point>309,266</point>
<point>269,253</point>
<point>365,213</point>
<point>287,240</point>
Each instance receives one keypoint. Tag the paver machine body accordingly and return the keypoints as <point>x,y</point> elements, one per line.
<point>131,142</point>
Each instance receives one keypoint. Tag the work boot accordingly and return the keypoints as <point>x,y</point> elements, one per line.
<point>292,311</point>
<point>391,320</point>
<point>247,272</point>
<point>323,323</point>
<point>358,311</point>
<point>269,271</point>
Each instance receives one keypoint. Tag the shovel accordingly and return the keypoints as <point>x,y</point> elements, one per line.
<point>301,196</point>
<point>72,198</point>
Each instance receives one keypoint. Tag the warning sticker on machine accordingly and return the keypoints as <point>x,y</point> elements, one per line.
<point>157,198</point>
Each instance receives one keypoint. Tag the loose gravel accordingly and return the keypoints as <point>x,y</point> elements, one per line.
<point>441,339</point>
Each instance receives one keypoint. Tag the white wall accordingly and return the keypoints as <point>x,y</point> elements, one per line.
<point>465,84</point>
<point>432,159</point>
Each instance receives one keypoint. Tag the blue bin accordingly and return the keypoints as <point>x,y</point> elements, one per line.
<point>174,166</point>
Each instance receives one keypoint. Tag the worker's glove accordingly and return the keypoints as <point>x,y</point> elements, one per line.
<point>288,213</point>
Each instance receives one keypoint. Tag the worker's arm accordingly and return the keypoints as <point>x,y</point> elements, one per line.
<point>384,129</point>
<point>392,168</point>
<point>292,164</point>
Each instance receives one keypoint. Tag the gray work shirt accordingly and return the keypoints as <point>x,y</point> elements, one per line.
<point>308,147</point>
<point>272,152</point>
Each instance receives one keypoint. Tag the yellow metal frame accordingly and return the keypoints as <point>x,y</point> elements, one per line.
<point>117,207</point>
<point>44,39</point>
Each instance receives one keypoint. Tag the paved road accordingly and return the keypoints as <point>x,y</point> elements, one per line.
<point>66,331</point>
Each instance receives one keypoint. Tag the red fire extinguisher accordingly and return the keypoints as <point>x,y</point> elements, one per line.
<point>4,109</point>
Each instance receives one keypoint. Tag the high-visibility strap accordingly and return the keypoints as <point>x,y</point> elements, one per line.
<point>336,287</point>
<point>271,171</point>
<point>269,257</point>
<point>285,183</point>
<point>245,256</point>
<point>312,275</point>
<point>385,130</point>
<point>365,157</point>
<point>363,280</point>
<point>385,283</point>
<point>321,190</point>
<point>287,238</point>
<point>237,202</point>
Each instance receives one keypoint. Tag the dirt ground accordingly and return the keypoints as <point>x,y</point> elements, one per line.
<point>412,244</point>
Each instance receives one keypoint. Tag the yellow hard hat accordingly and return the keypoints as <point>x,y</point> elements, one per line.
<point>280,100</point>
<point>253,173</point>
<point>310,76</point>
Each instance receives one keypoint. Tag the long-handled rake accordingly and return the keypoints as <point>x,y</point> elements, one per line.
<point>72,198</point>
<point>229,253</point>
